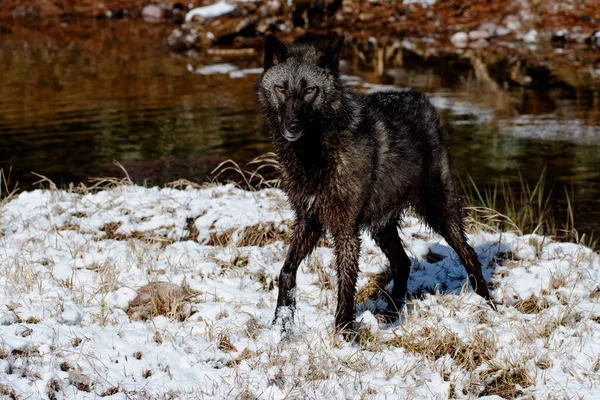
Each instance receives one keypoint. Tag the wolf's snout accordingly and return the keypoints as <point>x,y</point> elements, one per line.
<point>294,126</point>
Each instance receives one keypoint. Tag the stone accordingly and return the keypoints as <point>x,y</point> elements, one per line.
<point>490,27</point>
<point>531,36</point>
<point>460,39</point>
<point>502,31</point>
<point>479,44</point>
<point>153,13</point>
<point>479,34</point>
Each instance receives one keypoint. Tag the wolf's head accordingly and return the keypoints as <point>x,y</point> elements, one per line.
<point>300,85</point>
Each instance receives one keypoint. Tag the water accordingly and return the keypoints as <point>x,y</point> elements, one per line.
<point>77,97</point>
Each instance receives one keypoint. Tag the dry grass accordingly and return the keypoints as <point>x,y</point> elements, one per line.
<point>220,239</point>
<point>252,328</point>
<point>506,382</point>
<point>435,343</point>
<point>531,305</point>
<point>80,381</point>
<point>263,234</point>
<point>225,343</point>
<point>161,298</point>
<point>7,189</point>
<point>236,262</point>
<point>252,175</point>
<point>8,392</point>
<point>110,230</point>
<point>375,287</point>
<point>245,355</point>
<point>190,225</point>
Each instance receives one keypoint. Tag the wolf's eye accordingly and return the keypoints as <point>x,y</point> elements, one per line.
<point>280,89</point>
<point>310,90</point>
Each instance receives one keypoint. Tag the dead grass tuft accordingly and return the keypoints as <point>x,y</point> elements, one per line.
<point>8,392</point>
<point>252,328</point>
<point>263,234</point>
<point>110,391</point>
<point>7,189</point>
<point>161,298</point>
<point>375,287</point>
<point>436,343</point>
<point>110,231</point>
<point>25,353</point>
<point>507,383</point>
<point>190,225</point>
<point>266,281</point>
<point>53,387</point>
<point>531,305</point>
<point>80,381</point>
<point>225,343</point>
<point>245,355</point>
<point>324,280</point>
<point>251,177</point>
<point>220,239</point>
<point>506,259</point>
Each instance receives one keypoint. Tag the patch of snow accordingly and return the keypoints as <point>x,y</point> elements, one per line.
<point>71,265</point>
<point>421,2</point>
<point>224,68</point>
<point>214,10</point>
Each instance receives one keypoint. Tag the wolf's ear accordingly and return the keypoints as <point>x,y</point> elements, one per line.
<point>331,58</point>
<point>275,51</point>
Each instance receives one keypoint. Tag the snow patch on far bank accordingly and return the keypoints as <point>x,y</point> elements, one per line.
<point>214,10</point>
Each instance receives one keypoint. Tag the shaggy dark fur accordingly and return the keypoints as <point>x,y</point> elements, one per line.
<point>351,163</point>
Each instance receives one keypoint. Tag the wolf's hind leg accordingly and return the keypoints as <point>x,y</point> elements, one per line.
<point>305,236</point>
<point>443,213</point>
<point>390,243</point>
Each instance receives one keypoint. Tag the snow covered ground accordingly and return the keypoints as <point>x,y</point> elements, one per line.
<point>205,262</point>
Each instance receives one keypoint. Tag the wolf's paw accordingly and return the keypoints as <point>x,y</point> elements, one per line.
<point>284,317</point>
<point>392,312</point>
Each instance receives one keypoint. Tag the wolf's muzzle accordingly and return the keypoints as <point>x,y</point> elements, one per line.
<point>293,130</point>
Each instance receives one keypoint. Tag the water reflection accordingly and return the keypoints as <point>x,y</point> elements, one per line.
<point>73,101</point>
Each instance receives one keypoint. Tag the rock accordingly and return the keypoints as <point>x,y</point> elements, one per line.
<point>512,22</point>
<point>594,39</point>
<point>176,41</point>
<point>559,38</point>
<point>502,31</point>
<point>479,44</point>
<point>27,11</point>
<point>531,36</point>
<point>489,27</point>
<point>460,39</point>
<point>153,13</point>
<point>478,34</point>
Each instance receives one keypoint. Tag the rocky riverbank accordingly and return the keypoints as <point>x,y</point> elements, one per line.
<point>516,43</point>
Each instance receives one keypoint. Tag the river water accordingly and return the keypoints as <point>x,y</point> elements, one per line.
<point>77,96</point>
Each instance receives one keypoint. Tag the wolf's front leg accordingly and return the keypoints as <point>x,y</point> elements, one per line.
<point>305,236</point>
<point>347,251</point>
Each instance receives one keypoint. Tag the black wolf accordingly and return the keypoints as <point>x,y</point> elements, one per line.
<point>351,163</point>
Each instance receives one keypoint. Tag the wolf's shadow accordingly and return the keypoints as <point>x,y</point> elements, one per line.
<point>440,271</point>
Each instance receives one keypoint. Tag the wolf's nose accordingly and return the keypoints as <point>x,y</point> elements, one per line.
<point>294,126</point>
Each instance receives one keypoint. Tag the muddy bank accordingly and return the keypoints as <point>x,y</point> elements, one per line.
<point>515,43</point>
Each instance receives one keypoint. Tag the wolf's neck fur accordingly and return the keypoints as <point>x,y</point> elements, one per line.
<point>308,160</point>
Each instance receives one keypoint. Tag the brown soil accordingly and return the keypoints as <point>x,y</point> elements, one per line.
<point>502,58</point>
